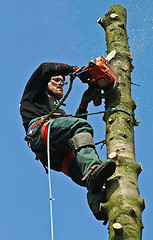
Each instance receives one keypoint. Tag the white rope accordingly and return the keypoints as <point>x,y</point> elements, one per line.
<point>49,178</point>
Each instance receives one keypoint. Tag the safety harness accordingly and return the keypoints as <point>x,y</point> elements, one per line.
<point>44,129</point>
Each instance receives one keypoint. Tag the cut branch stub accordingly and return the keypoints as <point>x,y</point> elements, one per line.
<point>101,21</point>
<point>124,68</point>
<point>114,16</point>
<point>139,168</point>
<point>111,55</point>
<point>113,156</point>
<point>130,55</point>
<point>118,229</point>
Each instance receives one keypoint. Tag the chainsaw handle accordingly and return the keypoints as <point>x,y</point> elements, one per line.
<point>97,99</point>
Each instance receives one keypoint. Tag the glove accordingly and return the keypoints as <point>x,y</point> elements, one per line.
<point>87,97</point>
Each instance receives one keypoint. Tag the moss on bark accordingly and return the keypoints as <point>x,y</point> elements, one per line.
<point>124,204</point>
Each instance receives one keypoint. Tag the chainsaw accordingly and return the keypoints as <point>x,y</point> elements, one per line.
<point>99,76</point>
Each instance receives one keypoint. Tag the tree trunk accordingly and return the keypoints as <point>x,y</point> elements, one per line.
<point>124,206</point>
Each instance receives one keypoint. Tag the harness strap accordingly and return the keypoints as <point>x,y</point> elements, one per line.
<point>44,128</point>
<point>66,162</point>
<point>33,125</point>
<point>44,135</point>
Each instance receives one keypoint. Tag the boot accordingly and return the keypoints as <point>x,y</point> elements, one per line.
<point>99,212</point>
<point>98,174</point>
<point>96,208</point>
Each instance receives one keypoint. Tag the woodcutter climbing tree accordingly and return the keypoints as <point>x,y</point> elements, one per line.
<point>124,206</point>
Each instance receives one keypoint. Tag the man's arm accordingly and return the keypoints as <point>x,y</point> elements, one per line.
<point>86,99</point>
<point>44,72</point>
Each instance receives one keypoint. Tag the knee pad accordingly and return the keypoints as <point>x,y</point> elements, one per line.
<point>83,139</point>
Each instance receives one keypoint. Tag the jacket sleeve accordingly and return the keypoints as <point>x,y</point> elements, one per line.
<point>44,72</point>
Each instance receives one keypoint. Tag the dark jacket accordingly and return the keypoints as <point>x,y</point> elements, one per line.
<point>35,102</point>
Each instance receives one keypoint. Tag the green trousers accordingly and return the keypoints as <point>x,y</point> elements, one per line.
<point>62,129</point>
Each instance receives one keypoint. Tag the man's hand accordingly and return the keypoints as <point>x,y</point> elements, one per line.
<point>91,94</point>
<point>88,95</point>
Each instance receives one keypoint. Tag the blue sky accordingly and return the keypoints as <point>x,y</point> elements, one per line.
<point>66,31</point>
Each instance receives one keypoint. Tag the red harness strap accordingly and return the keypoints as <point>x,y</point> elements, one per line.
<point>32,128</point>
<point>44,135</point>
<point>34,125</point>
<point>66,162</point>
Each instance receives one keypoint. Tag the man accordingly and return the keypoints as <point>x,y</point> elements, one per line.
<point>72,147</point>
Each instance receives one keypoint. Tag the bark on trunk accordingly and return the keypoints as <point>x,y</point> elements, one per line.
<point>124,206</point>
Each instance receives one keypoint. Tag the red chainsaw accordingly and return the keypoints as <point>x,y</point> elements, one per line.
<point>100,76</point>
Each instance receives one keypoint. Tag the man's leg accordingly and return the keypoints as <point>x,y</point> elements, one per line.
<point>64,129</point>
<point>85,158</point>
<point>75,134</point>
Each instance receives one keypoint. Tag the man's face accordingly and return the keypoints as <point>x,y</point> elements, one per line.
<point>56,85</point>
